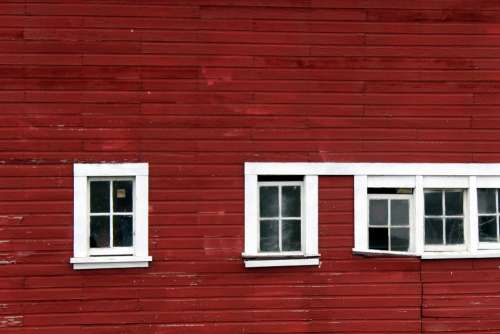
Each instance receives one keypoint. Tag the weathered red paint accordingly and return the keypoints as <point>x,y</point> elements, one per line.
<point>196,88</point>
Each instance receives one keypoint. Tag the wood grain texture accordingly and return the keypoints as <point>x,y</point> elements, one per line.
<point>196,88</point>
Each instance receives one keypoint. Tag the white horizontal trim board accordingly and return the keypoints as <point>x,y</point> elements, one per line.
<point>111,169</point>
<point>340,168</point>
<point>257,263</point>
<point>420,176</point>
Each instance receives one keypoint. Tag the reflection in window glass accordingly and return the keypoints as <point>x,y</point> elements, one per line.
<point>444,217</point>
<point>280,214</point>
<point>389,226</point>
<point>487,202</point>
<point>111,217</point>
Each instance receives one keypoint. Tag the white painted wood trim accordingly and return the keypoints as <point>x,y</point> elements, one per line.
<point>446,182</point>
<point>261,263</point>
<point>334,168</point>
<point>110,262</point>
<point>391,181</point>
<point>472,227</point>
<point>141,247</point>
<point>419,214</point>
<point>488,181</point>
<point>360,212</point>
<point>311,214</point>
<point>80,229</point>
<point>111,169</point>
<point>460,255</point>
<point>251,209</point>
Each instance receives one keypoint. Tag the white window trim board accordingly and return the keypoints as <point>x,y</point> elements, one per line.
<point>251,254</point>
<point>393,169</point>
<point>468,176</point>
<point>81,252</point>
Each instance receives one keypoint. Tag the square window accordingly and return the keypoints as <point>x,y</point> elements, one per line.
<point>110,216</point>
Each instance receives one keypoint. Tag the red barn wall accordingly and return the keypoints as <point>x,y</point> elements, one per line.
<point>196,88</point>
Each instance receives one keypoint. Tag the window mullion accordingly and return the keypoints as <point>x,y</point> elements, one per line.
<point>111,214</point>
<point>496,211</point>
<point>473,218</point>
<point>443,219</point>
<point>389,218</point>
<point>279,219</point>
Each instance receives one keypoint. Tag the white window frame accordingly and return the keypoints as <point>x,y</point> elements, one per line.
<point>309,255</point>
<point>419,176</point>
<point>465,218</point>
<point>83,256</point>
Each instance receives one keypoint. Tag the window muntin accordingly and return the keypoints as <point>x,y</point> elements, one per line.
<point>111,216</point>
<point>488,215</point>
<point>280,217</point>
<point>389,226</point>
<point>444,217</point>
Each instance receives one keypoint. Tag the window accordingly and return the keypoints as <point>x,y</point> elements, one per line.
<point>489,212</point>
<point>389,222</point>
<point>281,220</point>
<point>280,217</point>
<point>110,216</point>
<point>444,218</point>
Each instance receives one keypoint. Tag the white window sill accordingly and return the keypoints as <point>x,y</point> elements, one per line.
<point>264,260</point>
<point>461,255</point>
<point>432,255</point>
<point>374,252</point>
<point>110,262</point>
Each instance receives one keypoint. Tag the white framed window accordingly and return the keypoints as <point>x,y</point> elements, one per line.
<point>281,217</point>
<point>444,219</point>
<point>390,222</point>
<point>488,218</point>
<point>453,208</point>
<point>110,216</point>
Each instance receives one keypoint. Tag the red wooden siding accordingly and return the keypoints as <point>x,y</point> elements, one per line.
<point>196,88</point>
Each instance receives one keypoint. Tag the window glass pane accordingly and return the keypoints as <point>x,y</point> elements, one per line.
<point>122,231</point>
<point>454,231</point>
<point>269,236</point>
<point>454,202</point>
<point>400,239</point>
<point>269,202</point>
<point>399,212</point>
<point>290,235</point>
<point>486,200</point>
<point>99,196</point>
<point>290,201</point>
<point>99,231</point>
<point>488,229</point>
<point>378,212</point>
<point>378,238</point>
<point>123,196</point>
<point>433,231</point>
<point>433,203</point>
